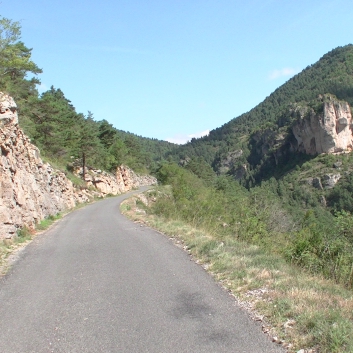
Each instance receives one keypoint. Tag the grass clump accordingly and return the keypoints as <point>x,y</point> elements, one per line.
<point>48,221</point>
<point>23,235</point>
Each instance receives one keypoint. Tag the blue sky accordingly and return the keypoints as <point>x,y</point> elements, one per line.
<point>174,69</point>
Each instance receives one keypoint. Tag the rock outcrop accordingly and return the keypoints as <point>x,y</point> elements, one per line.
<point>320,126</point>
<point>106,183</point>
<point>327,181</point>
<point>31,190</point>
<point>230,161</point>
<point>327,132</point>
<point>8,110</point>
<point>127,177</point>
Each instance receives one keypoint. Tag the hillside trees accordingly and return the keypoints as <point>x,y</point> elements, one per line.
<point>63,134</point>
<point>87,146</point>
<point>15,67</point>
<point>202,169</point>
<point>267,216</point>
<point>15,57</point>
<point>16,63</point>
<point>54,125</point>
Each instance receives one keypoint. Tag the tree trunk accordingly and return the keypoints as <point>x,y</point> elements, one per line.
<point>84,166</point>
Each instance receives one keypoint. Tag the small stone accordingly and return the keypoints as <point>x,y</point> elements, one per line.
<point>323,201</point>
<point>289,324</point>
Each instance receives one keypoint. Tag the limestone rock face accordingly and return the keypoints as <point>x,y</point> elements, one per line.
<point>124,180</point>
<point>30,190</point>
<point>231,162</point>
<point>327,132</point>
<point>327,181</point>
<point>128,179</point>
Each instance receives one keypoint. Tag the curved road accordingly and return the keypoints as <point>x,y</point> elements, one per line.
<point>97,282</point>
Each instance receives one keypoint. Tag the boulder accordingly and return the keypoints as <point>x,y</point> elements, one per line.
<point>122,181</point>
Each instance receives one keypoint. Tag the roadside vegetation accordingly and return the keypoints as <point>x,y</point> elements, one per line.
<point>284,217</point>
<point>294,269</point>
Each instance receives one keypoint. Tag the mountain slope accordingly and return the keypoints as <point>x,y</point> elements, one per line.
<point>333,74</point>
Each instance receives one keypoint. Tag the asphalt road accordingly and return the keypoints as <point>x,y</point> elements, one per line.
<point>97,282</point>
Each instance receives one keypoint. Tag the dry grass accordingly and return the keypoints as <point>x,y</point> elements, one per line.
<point>298,310</point>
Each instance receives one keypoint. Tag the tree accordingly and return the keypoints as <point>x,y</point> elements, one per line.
<point>15,57</point>
<point>88,143</point>
<point>55,121</point>
<point>15,64</point>
<point>202,169</point>
<point>119,151</point>
<point>107,133</point>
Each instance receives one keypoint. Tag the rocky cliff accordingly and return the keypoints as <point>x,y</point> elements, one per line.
<point>31,190</point>
<point>329,131</point>
<point>321,126</point>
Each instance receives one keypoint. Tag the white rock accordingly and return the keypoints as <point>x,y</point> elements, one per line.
<point>328,132</point>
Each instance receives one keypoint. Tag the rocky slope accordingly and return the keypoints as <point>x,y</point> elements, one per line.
<point>31,190</point>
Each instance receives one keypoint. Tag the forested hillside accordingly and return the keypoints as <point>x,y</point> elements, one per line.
<point>56,128</point>
<point>333,73</point>
<point>302,202</point>
<point>51,120</point>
